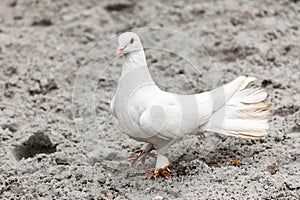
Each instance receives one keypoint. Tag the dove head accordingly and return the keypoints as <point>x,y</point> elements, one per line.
<point>129,42</point>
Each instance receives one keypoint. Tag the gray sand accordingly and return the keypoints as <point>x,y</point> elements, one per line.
<point>42,45</point>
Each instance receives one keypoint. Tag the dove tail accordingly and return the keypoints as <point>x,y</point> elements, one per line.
<point>244,114</point>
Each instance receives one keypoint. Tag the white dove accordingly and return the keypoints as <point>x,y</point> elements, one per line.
<point>148,114</point>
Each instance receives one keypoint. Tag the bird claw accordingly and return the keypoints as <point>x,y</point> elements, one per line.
<point>136,155</point>
<point>156,173</point>
<point>141,153</point>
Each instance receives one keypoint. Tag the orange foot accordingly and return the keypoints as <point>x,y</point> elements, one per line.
<point>156,173</point>
<point>139,154</point>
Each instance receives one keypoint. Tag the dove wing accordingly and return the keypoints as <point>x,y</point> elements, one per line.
<point>158,120</point>
<point>172,116</point>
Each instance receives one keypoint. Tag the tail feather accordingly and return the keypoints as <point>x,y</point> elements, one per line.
<point>244,114</point>
<point>249,96</point>
<point>251,111</point>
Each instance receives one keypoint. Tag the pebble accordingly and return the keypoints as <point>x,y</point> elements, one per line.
<point>158,198</point>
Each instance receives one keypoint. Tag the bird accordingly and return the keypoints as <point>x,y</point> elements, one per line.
<point>159,118</point>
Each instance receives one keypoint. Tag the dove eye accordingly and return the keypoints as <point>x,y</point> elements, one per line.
<point>131,41</point>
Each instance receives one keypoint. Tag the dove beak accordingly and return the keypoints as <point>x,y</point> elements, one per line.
<point>120,50</point>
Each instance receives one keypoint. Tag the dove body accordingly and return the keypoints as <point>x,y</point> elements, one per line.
<point>159,118</point>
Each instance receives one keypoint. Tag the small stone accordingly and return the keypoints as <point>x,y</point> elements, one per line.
<point>13,80</point>
<point>36,75</point>
<point>273,168</point>
<point>119,6</point>
<point>35,89</point>
<point>110,195</point>
<point>44,82</point>
<point>42,22</point>
<point>10,125</point>
<point>158,198</point>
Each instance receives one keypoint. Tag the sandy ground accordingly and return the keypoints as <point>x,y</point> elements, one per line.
<point>42,46</point>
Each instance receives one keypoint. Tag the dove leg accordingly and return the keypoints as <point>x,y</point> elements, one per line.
<point>162,167</point>
<point>141,153</point>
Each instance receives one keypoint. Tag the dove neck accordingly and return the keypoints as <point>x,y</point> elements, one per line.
<point>136,62</point>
